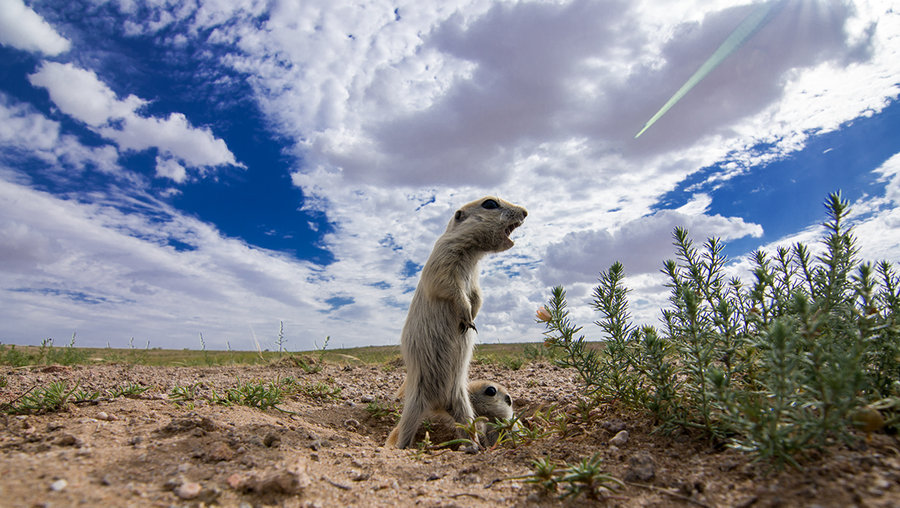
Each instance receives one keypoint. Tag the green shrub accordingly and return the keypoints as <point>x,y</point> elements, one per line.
<point>777,367</point>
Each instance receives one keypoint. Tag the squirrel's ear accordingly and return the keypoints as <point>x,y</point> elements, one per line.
<point>459,215</point>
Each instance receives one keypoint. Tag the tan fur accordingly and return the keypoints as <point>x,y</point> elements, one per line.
<point>490,400</point>
<point>436,342</point>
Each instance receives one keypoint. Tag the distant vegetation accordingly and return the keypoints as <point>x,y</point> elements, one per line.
<point>508,355</point>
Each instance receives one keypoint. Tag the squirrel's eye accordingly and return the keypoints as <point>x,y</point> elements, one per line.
<point>490,204</point>
<point>490,391</point>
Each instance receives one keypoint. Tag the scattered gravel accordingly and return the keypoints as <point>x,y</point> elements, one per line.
<point>320,452</point>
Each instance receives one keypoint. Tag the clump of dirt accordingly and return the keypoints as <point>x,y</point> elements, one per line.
<point>326,448</point>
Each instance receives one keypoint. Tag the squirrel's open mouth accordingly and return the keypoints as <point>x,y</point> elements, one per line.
<point>511,228</point>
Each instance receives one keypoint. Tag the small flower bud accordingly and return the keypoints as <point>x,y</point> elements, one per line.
<point>543,314</point>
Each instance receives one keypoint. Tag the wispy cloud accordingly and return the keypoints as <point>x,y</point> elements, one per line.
<point>60,254</point>
<point>80,94</point>
<point>642,244</point>
<point>22,28</point>
<point>25,132</point>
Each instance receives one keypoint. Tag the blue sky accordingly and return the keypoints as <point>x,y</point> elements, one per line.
<point>175,168</point>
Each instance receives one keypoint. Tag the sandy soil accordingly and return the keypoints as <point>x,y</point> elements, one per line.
<point>152,451</point>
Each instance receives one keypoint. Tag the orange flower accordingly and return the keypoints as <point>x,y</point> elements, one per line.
<point>543,314</point>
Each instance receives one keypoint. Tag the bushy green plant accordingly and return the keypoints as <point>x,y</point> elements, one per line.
<point>583,477</point>
<point>86,395</point>
<point>184,394</point>
<point>52,397</point>
<point>129,390</point>
<point>252,394</point>
<point>320,390</point>
<point>778,367</point>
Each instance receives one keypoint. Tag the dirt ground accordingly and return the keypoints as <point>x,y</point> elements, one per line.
<point>152,451</point>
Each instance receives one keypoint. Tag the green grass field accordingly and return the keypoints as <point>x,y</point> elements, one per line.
<point>509,355</point>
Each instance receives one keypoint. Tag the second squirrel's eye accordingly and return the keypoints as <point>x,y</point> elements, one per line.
<point>490,391</point>
<point>490,204</point>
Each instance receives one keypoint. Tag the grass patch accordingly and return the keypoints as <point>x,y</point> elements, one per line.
<point>256,394</point>
<point>50,398</point>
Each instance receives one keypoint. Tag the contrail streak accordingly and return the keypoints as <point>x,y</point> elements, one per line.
<point>753,22</point>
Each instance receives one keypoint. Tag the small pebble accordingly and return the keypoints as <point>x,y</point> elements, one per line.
<point>67,440</point>
<point>188,490</point>
<point>103,415</point>
<point>282,482</point>
<point>58,485</point>
<point>235,480</point>
<point>219,451</point>
<point>619,439</point>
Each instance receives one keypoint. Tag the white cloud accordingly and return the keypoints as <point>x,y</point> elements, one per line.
<point>876,219</point>
<point>641,245</point>
<point>22,127</point>
<point>444,98</point>
<point>170,168</point>
<point>80,94</point>
<point>22,28</point>
<point>402,111</point>
<point>107,274</point>
<point>539,102</point>
<point>889,173</point>
<point>25,131</point>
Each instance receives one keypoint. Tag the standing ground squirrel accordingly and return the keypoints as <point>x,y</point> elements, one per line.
<point>435,341</point>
